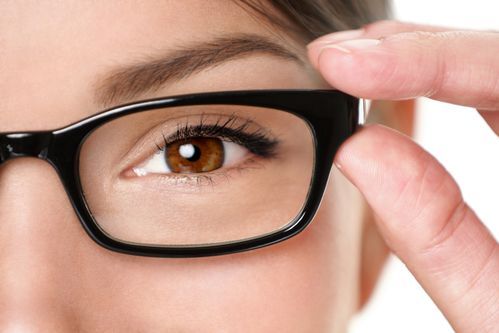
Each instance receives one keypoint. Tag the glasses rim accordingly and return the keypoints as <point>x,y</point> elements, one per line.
<point>61,148</point>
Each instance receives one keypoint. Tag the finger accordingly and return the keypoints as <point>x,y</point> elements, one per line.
<point>492,118</point>
<point>460,67</point>
<point>425,221</point>
<point>374,30</point>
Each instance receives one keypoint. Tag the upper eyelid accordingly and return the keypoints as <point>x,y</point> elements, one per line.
<point>268,149</point>
<point>237,135</point>
<point>146,141</point>
<point>225,121</point>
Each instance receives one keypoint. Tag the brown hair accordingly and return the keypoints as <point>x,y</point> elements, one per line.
<point>310,19</point>
<point>313,18</point>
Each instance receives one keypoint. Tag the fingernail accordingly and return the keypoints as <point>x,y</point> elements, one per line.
<point>350,46</point>
<point>336,37</point>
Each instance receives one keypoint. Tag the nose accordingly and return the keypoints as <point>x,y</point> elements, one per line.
<point>39,243</point>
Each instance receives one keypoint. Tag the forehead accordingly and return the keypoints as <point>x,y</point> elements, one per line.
<point>94,32</point>
<point>132,21</point>
<point>52,51</point>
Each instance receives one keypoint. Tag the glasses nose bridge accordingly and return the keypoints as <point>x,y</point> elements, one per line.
<point>24,144</point>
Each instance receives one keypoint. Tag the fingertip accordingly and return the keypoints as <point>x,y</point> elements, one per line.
<point>379,159</point>
<point>361,67</point>
<point>315,46</point>
<point>337,36</point>
<point>358,155</point>
<point>313,55</point>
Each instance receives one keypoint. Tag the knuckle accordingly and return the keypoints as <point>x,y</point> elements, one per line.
<point>452,210</point>
<point>421,176</point>
<point>456,215</point>
<point>437,197</point>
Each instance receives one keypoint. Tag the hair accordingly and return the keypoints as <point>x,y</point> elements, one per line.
<point>310,19</point>
<point>314,18</point>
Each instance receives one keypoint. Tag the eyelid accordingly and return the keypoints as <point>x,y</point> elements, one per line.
<point>154,138</point>
<point>232,153</point>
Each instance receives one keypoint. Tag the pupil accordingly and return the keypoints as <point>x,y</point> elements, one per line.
<point>190,152</point>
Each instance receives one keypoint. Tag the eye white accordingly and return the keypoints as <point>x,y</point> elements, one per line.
<point>155,164</point>
<point>233,154</point>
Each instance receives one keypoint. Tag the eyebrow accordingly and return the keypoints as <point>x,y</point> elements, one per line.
<point>128,82</point>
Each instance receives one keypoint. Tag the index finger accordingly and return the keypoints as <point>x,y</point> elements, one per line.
<point>376,30</point>
<point>459,67</point>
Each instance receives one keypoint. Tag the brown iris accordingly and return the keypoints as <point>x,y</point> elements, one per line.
<point>195,155</point>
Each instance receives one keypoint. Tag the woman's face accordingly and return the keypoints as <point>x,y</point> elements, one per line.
<point>54,59</point>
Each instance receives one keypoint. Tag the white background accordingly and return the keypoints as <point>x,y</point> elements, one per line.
<point>464,144</point>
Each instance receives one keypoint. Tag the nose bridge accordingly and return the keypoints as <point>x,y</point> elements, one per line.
<point>39,236</point>
<point>24,144</point>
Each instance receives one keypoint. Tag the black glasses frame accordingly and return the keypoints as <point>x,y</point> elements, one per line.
<point>332,116</point>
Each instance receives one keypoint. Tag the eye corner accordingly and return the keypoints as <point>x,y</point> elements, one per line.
<point>133,172</point>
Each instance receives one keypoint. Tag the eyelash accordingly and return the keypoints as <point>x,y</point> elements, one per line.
<point>258,142</point>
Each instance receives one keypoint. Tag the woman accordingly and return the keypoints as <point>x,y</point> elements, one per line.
<point>64,62</point>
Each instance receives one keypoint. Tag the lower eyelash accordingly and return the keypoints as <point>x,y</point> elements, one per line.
<point>209,179</point>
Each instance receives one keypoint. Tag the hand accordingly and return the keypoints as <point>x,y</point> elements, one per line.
<point>422,215</point>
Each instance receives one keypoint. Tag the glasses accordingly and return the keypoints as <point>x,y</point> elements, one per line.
<point>200,174</point>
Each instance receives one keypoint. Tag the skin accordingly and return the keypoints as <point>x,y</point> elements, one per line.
<point>54,278</point>
<point>449,251</point>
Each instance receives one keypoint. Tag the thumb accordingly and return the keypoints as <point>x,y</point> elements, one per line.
<point>424,220</point>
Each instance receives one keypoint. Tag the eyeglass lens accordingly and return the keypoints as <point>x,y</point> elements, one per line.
<point>194,175</point>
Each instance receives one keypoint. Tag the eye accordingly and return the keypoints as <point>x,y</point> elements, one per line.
<point>193,155</point>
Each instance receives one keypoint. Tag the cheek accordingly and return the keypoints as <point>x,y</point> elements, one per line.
<point>303,284</point>
<point>289,285</point>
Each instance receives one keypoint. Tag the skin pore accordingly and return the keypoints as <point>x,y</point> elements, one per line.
<point>54,55</point>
